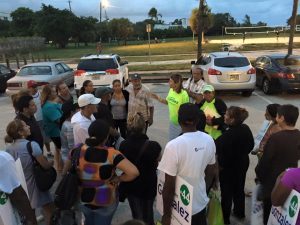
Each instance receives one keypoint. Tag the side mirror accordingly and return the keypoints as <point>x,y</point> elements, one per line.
<point>193,62</point>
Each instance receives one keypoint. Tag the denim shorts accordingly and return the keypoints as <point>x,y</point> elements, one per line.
<point>103,214</point>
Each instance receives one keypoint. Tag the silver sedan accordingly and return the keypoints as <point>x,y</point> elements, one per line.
<point>43,73</point>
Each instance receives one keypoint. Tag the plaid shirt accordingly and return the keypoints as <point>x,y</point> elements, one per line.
<point>141,102</point>
<point>194,87</point>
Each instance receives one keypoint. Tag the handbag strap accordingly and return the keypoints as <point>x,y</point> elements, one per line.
<point>75,156</point>
<point>29,150</point>
<point>145,145</point>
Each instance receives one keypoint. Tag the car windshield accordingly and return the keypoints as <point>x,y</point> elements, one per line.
<point>97,64</point>
<point>292,61</point>
<point>232,62</point>
<point>35,70</point>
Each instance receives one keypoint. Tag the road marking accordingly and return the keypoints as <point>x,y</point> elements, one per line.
<point>263,98</point>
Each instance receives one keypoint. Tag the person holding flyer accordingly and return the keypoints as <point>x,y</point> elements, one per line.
<point>192,156</point>
<point>271,128</point>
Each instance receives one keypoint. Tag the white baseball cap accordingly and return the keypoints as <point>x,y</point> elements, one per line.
<point>88,99</point>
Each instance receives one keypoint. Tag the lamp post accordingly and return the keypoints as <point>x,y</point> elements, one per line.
<point>103,4</point>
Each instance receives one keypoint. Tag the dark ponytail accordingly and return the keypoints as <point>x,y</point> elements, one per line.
<point>98,132</point>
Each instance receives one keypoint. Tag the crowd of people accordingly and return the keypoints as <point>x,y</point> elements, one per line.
<point>209,146</point>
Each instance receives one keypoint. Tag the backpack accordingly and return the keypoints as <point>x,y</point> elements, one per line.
<point>67,191</point>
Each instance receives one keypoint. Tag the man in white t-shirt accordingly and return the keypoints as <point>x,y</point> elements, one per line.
<point>10,187</point>
<point>83,119</point>
<point>192,157</point>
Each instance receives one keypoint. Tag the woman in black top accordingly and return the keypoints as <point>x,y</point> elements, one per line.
<point>144,154</point>
<point>233,148</point>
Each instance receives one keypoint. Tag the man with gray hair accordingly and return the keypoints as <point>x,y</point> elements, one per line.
<point>140,100</point>
<point>194,85</point>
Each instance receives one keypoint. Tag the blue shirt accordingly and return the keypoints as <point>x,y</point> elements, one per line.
<point>51,116</point>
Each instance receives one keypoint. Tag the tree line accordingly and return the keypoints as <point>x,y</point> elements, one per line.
<point>61,27</point>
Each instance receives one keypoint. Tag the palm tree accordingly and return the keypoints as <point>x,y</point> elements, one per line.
<point>292,27</point>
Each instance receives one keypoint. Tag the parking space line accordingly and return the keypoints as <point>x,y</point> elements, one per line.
<point>263,98</point>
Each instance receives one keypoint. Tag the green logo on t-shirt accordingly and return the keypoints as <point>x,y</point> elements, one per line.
<point>293,206</point>
<point>185,195</point>
<point>3,198</point>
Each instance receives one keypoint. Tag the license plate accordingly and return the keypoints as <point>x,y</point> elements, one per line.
<point>96,77</point>
<point>234,77</point>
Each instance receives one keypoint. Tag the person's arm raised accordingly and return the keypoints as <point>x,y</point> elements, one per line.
<point>158,98</point>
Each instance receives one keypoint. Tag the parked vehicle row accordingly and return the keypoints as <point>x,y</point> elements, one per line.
<point>101,69</point>
<point>231,71</point>
<point>226,71</point>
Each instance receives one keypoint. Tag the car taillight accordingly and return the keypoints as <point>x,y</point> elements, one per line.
<point>286,75</point>
<point>290,76</point>
<point>251,71</point>
<point>14,84</point>
<point>112,71</point>
<point>214,72</point>
<point>78,73</point>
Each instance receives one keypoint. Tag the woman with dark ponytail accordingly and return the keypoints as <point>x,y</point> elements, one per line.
<point>233,148</point>
<point>97,173</point>
<point>87,88</point>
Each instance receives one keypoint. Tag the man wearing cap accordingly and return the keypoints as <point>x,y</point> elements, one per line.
<point>214,110</point>
<point>36,95</point>
<point>194,85</point>
<point>83,119</point>
<point>140,99</point>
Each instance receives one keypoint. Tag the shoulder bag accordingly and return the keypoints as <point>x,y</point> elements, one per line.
<point>44,178</point>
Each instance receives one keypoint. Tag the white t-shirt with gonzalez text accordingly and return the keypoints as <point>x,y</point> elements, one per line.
<point>187,156</point>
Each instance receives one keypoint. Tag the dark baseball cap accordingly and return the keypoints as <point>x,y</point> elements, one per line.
<point>101,91</point>
<point>135,76</point>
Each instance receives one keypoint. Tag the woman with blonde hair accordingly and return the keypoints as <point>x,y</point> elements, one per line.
<point>17,132</point>
<point>233,148</point>
<point>144,154</point>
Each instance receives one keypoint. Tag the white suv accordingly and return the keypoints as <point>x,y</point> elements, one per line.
<point>230,71</point>
<point>101,70</point>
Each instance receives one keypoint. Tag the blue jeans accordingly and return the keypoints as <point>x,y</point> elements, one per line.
<point>141,209</point>
<point>101,216</point>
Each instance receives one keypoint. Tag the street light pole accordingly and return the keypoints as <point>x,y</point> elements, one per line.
<point>100,12</point>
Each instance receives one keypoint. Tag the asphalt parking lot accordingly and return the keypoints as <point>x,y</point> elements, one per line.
<point>159,130</point>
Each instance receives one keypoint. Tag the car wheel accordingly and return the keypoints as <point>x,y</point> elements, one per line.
<point>266,87</point>
<point>247,93</point>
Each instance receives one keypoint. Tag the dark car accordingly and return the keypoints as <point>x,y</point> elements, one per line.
<point>5,75</point>
<point>278,72</point>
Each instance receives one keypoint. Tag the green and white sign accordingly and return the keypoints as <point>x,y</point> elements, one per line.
<point>8,215</point>
<point>182,203</point>
<point>288,213</point>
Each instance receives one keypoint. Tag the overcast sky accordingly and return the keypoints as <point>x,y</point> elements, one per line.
<point>273,12</point>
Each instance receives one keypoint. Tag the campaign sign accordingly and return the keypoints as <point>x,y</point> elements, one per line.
<point>8,214</point>
<point>182,203</point>
<point>288,213</point>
